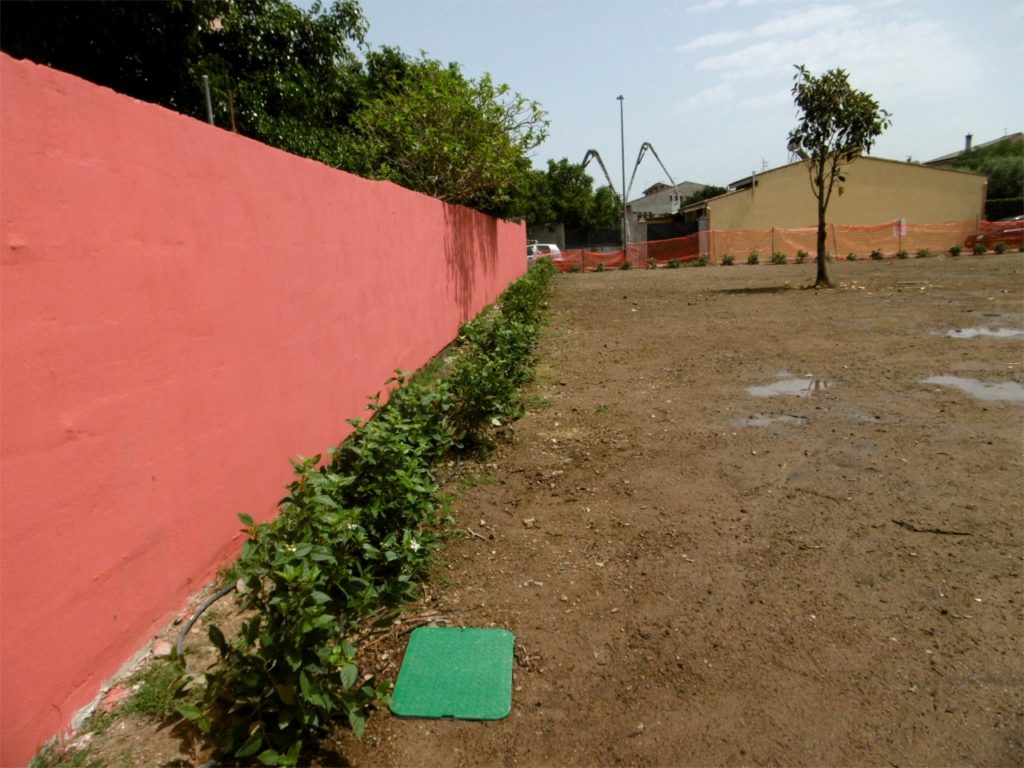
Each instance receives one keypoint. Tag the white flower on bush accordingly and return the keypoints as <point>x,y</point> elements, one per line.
<point>352,526</point>
<point>414,545</point>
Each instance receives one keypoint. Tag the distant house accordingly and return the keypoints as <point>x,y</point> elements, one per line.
<point>662,200</point>
<point>875,191</point>
<point>946,161</point>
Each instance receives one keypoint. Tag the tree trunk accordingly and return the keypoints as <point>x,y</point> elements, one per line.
<point>822,280</point>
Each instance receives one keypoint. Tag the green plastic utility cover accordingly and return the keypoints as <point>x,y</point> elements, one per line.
<point>461,673</point>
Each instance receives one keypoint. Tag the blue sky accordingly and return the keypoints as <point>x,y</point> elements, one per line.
<point>707,82</point>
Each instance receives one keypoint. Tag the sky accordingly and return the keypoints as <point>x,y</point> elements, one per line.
<point>707,82</point>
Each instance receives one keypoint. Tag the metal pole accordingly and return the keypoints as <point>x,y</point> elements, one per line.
<point>622,138</point>
<point>209,104</point>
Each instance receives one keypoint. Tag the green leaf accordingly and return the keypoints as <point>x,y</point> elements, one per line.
<point>269,757</point>
<point>217,638</point>
<point>251,745</point>
<point>349,675</point>
<point>247,520</point>
<point>189,712</point>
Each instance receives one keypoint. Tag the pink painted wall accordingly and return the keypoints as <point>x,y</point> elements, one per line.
<point>182,310</point>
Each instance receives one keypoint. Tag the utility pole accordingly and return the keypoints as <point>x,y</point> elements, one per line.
<point>622,137</point>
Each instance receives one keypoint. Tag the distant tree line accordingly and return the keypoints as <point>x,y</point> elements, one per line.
<point>303,81</point>
<point>1003,163</point>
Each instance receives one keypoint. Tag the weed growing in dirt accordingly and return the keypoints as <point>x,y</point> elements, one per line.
<point>924,253</point>
<point>537,403</point>
<point>801,256</point>
<point>877,255</point>
<point>753,258</point>
<point>576,268</point>
<point>652,263</point>
<point>599,267</point>
<point>702,260</point>
<point>778,258</point>
<point>851,256</point>
<point>674,264</point>
<point>978,249</point>
<point>901,254</point>
<point>955,250</point>
<point>1000,247</point>
<point>627,265</point>
<point>728,260</point>
<point>52,756</point>
<point>354,535</point>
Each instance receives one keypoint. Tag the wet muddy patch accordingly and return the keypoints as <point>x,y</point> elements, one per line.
<point>788,384</point>
<point>1000,391</point>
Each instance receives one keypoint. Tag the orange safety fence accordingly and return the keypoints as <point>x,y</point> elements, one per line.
<point>841,240</point>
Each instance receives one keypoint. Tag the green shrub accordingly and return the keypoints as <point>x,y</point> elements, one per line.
<point>753,258</point>
<point>576,268</point>
<point>1000,247</point>
<point>801,256</point>
<point>652,263</point>
<point>979,248</point>
<point>627,264</point>
<point>353,536</point>
<point>901,254</point>
<point>851,256</point>
<point>727,260</point>
<point>877,255</point>
<point>778,258</point>
<point>954,250</point>
<point>924,253</point>
<point>674,264</point>
<point>600,267</point>
<point>702,261</point>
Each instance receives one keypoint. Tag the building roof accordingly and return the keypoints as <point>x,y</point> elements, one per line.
<point>954,155</point>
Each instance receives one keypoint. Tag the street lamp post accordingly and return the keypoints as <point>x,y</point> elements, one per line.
<point>622,138</point>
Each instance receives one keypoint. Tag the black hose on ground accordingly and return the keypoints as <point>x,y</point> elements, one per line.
<point>198,613</point>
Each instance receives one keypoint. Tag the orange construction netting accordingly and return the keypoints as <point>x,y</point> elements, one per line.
<point>841,240</point>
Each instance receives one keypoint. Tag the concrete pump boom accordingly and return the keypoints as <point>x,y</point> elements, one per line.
<point>643,148</point>
<point>593,155</point>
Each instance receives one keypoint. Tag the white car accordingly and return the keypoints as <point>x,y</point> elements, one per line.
<point>536,251</point>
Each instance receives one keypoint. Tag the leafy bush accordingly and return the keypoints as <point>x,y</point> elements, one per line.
<point>1000,247</point>
<point>728,260</point>
<point>576,268</point>
<point>674,264</point>
<point>778,258</point>
<point>599,267</point>
<point>627,264</point>
<point>753,258</point>
<point>702,261</point>
<point>954,250</point>
<point>851,256</point>
<point>877,255</point>
<point>901,254</point>
<point>353,536</point>
<point>652,263</point>
<point>924,253</point>
<point>979,248</point>
<point>801,256</point>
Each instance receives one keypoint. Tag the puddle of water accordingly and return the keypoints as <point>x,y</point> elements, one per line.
<point>764,420</point>
<point>1009,391</point>
<point>800,386</point>
<point>974,333</point>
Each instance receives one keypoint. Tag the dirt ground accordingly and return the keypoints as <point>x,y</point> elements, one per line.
<point>699,573</point>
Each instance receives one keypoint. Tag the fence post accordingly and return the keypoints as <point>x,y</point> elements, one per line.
<point>773,244</point>
<point>835,243</point>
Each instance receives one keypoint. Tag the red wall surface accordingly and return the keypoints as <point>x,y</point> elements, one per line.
<point>182,310</point>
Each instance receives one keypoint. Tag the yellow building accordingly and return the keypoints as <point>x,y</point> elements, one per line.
<point>875,191</point>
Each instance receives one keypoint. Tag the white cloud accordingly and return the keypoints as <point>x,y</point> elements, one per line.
<point>722,93</point>
<point>708,5</point>
<point>712,40</point>
<point>815,17</point>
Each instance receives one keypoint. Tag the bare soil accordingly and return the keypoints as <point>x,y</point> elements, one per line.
<point>697,575</point>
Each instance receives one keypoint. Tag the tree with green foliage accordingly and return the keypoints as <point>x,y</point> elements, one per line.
<point>452,137</point>
<point>279,74</point>
<point>1003,164</point>
<point>565,194</point>
<point>837,124</point>
<point>703,194</point>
